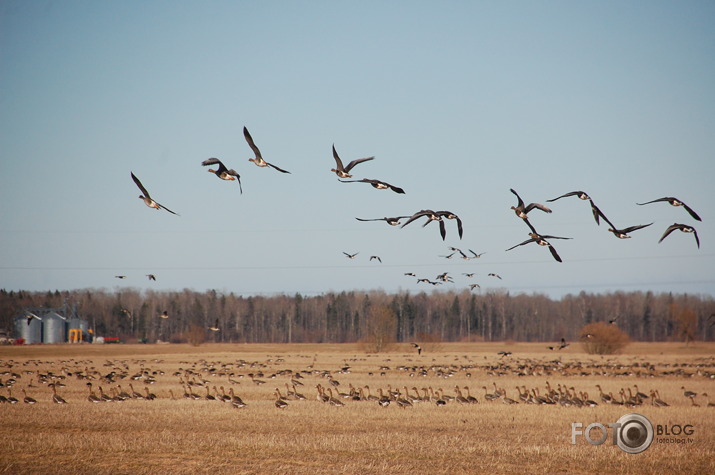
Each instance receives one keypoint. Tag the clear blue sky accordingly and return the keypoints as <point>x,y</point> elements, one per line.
<point>458,101</point>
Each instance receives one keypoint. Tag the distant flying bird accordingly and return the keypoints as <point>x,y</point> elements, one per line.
<point>681,227</point>
<point>215,328</point>
<point>351,256</point>
<point>344,172</point>
<point>468,274</point>
<point>164,314</point>
<point>473,286</point>
<point>411,274</point>
<point>597,214</point>
<point>675,202</point>
<point>613,321</point>
<point>222,172</point>
<point>151,276</point>
<point>427,281</point>
<point>504,353</point>
<point>561,346</point>
<point>522,210</point>
<point>444,277</point>
<point>495,275</point>
<point>377,184</point>
<point>258,159</point>
<point>146,198</point>
<point>376,257</point>
<point>419,348</point>
<point>391,221</point>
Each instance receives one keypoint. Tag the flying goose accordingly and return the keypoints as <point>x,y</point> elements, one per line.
<point>377,184</point>
<point>450,215</point>
<point>675,202</point>
<point>431,216</point>
<point>522,210</point>
<point>623,233</point>
<point>344,172</point>
<point>541,240</point>
<point>222,172</point>
<point>391,221</point>
<point>146,198</point>
<point>215,328</point>
<point>561,346</point>
<point>581,195</point>
<point>376,257</point>
<point>351,256</point>
<point>681,227</point>
<point>258,160</point>
<point>151,276</point>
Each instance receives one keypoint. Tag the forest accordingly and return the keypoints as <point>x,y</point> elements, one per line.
<point>355,316</point>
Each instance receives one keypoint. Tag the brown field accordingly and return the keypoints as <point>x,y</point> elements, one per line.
<point>184,435</point>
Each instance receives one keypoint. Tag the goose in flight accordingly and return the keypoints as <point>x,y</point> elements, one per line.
<point>391,221</point>
<point>494,275</point>
<point>222,172</point>
<point>681,227</point>
<point>258,160</point>
<point>351,256</point>
<point>675,202</point>
<point>522,210</point>
<point>581,195</point>
<point>431,216</point>
<point>215,328</point>
<point>541,240</point>
<point>342,171</point>
<point>450,215</point>
<point>377,184</point>
<point>146,198</point>
<point>164,314</point>
<point>151,276</point>
<point>376,257</point>
<point>561,346</point>
<point>623,233</point>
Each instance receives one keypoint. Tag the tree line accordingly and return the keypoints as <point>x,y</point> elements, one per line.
<point>354,316</point>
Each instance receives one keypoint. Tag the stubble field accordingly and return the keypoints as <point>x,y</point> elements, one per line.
<point>179,434</point>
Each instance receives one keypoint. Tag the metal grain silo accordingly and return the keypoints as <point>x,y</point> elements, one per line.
<point>54,328</point>
<point>29,328</point>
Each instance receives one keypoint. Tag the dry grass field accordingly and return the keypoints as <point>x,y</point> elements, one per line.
<point>185,435</point>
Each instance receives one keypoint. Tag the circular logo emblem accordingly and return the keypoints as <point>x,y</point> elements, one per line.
<point>635,433</point>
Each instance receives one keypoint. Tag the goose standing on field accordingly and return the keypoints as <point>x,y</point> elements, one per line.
<point>377,184</point>
<point>344,172</point>
<point>522,210</point>
<point>56,398</point>
<point>681,227</point>
<point>258,160</point>
<point>146,198</point>
<point>675,202</point>
<point>222,172</point>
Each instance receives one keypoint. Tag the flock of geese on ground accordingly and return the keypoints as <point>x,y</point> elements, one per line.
<point>207,381</point>
<point>521,209</point>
